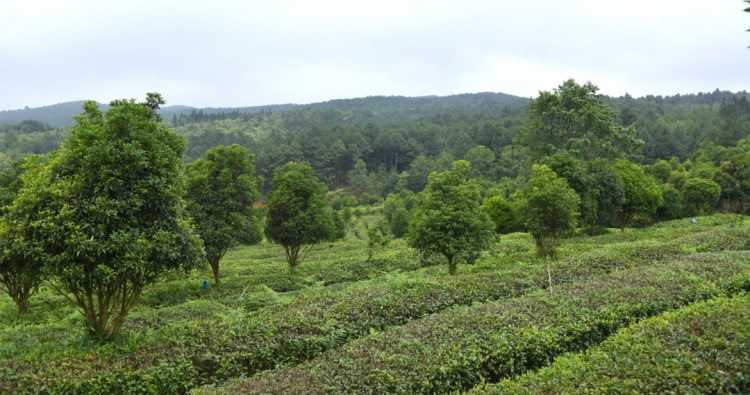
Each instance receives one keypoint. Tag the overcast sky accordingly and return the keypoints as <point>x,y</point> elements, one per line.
<point>242,53</point>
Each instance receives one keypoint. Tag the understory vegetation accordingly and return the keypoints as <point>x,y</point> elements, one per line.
<point>395,323</point>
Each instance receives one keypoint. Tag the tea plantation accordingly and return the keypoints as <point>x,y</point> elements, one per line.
<point>658,309</point>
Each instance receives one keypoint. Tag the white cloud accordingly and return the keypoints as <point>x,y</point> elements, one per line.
<point>236,53</point>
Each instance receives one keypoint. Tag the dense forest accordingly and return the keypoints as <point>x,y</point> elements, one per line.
<point>392,134</point>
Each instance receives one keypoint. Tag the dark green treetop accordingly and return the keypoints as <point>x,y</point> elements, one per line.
<point>112,218</point>
<point>298,214</point>
<point>449,220</point>
<point>221,193</point>
<point>574,119</point>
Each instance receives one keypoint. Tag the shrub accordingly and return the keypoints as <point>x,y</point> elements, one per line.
<point>458,348</point>
<point>701,349</point>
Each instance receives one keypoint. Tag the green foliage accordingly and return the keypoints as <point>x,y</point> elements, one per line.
<point>110,216</point>
<point>221,191</point>
<point>482,160</point>
<point>449,220</point>
<point>339,226</point>
<point>733,176</point>
<point>607,193</point>
<point>405,199</point>
<point>502,213</point>
<point>359,180</point>
<point>298,214</point>
<point>400,222</point>
<point>376,238</point>
<point>700,193</point>
<point>575,120</point>
<point>11,181</point>
<point>642,194</point>
<point>341,198</point>
<point>661,170</point>
<point>576,174</point>
<point>699,349</point>
<point>212,336</point>
<point>397,210</point>
<point>549,209</point>
<point>457,349</point>
<point>369,199</point>
<point>22,255</point>
<point>671,207</point>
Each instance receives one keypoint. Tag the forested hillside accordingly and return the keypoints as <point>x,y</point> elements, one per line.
<point>389,133</point>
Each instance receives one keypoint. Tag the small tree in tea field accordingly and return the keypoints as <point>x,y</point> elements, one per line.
<point>449,220</point>
<point>549,209</point>
<point>700,193</point>
<point>21,257</point>
<point>221,191</point>
<point>298,214</point>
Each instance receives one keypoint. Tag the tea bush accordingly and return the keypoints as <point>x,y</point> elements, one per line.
<point>461,347</point>
<point>701,349</point>
<point>211,336</point>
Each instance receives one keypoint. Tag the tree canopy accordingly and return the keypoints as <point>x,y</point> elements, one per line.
<point>449,220</point>
<point>549,208</point>
<point>700,193</point>
<point>574,119</point>
<point>221,193</point>
<point>298,214</point>
<point>22,255</point>
<point>641,193</point>
<point>115,219</point>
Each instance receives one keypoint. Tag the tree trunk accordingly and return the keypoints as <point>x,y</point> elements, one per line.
<point>22,301</point>
<point>214,262</point>
<point>451,264</point>
<point>292,257</point>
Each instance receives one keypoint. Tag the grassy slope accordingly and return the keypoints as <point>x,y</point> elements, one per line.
<point>181,336</point>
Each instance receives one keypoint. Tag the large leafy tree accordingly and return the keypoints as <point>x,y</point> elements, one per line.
<point>21,258</point>
<point>114,220</point>
<point>221,192</point>
<point>298,214</point>
<point>574,119</point>
<point>641,193</point>
<point>449,220</point>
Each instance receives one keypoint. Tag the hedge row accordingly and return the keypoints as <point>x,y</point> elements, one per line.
<point>701,349</point>
<point>276,277</point>
<point>193,353</point>
<point>462,347</point>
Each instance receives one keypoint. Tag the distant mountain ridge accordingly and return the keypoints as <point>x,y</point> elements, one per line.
<point>377,109</point>
<point>61,115</point>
